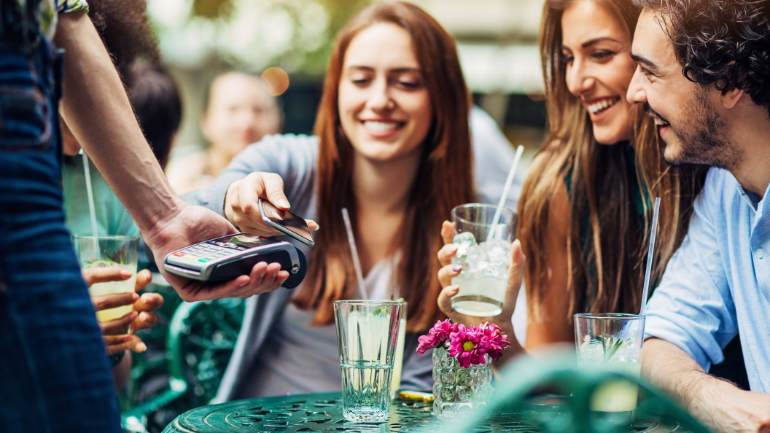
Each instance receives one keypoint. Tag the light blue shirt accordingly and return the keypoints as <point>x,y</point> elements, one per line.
<point>718,282</point>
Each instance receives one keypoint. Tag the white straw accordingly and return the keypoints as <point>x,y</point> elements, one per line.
<point>354,252</point>
<point>90,192</point>
<point>506,189</point>
<point>650,252</point>
<point>91,207</point>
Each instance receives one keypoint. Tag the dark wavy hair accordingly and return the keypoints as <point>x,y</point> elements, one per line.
<point>125,30</point>
<point>721,42</point>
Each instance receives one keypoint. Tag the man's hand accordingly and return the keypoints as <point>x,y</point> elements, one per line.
<point>193,224</point>
<point>718,403</point>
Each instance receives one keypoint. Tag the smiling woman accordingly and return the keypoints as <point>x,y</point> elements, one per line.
<point>392,145</point>
<point>384,105</point>
<point>584,207</point>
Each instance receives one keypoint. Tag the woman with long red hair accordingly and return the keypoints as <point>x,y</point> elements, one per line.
<point>392,145</point>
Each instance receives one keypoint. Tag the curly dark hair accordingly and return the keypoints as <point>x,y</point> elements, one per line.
<point>721,42</point>
<point>125,30</point>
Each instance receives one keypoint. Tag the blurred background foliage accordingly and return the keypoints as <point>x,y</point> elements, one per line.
<point>497,41</point>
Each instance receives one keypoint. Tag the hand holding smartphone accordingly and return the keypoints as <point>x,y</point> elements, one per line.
<point>286,222</point>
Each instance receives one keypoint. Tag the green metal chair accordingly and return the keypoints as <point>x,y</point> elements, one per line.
<point>201,338</point>
<point>524,388</point>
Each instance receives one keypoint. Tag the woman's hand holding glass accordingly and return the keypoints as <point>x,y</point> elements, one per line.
<point>448,271</point>
<point>119,334</point>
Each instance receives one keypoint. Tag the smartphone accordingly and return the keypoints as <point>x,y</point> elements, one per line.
<point>286,222</point>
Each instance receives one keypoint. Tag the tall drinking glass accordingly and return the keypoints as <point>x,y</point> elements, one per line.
<point>109,251</point>
<point>367,333</point>
<point>485,259</point>
<point>613,341</point>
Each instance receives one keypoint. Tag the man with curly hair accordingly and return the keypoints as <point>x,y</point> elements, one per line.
<point>704,75</point>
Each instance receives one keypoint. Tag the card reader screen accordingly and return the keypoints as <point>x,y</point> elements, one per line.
<point>239,242</point>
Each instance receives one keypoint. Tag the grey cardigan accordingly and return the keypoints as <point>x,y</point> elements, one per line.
<point>293,157</point>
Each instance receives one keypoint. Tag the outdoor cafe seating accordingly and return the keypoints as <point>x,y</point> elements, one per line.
<point>549,394</point>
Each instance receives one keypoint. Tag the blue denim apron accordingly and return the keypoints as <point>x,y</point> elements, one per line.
<point>54,374</point>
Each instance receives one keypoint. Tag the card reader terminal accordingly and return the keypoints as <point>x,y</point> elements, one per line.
<point>224,258</point>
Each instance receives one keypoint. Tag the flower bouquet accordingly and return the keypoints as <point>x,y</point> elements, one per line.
<point>462,364</point>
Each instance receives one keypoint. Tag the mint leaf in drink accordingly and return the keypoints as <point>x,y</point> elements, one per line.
<point>611,345</point>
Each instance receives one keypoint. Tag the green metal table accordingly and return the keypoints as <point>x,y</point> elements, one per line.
<point>322,413</point>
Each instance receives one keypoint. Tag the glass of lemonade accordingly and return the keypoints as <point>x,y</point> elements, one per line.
<point>613,341</point>
<point>485,259</point>
<point>367,333</point>
<point>109,251</point>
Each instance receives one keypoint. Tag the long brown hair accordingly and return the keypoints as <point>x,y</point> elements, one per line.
<point>443,180</point>
<point>606,241</point>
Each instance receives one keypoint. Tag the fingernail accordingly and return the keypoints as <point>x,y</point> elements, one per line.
<point>283,203</point>
<point>245,283</point>
<point>457,268</point>
<point>141,347</point>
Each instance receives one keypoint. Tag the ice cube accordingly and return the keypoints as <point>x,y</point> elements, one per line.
<point>463,241</point>
<point>498,255</point>
<point>476,260</point>
<point>591,351</point>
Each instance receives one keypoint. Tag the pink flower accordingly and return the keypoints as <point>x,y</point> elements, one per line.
<point>495,339</point>
<point>437,335</point>
<point>468,345</point>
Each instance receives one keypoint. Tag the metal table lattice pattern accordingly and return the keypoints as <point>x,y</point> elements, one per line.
<point>322,413</point>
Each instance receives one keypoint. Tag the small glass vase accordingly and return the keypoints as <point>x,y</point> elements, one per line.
<point>456,389</point>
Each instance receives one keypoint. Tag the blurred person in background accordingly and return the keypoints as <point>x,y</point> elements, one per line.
<point>155,99</point>
<point>240,109</point>
<point>393,146</point>
<point>582,213</point>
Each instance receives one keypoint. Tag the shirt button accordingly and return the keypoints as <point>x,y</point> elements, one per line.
<point>760,254</point>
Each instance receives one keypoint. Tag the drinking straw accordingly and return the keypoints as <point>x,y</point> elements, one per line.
<point>91,207</point>
<point>90,192</point>
<point>354,252</point>
<point>650,251</point>
<point>506,189</point>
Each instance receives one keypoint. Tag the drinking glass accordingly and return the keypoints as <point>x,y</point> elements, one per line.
<point>367,333</point>
<point>613,341</point>
<point>485,259</point>
<point>109,251</point>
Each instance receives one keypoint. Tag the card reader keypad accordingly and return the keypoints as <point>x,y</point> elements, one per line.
<point>203,253</point>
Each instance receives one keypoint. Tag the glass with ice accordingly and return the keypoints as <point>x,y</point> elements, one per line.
<point>109,251</point>
<point>484,252</point>
<point>613,341</point>
<point>367,333</point>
